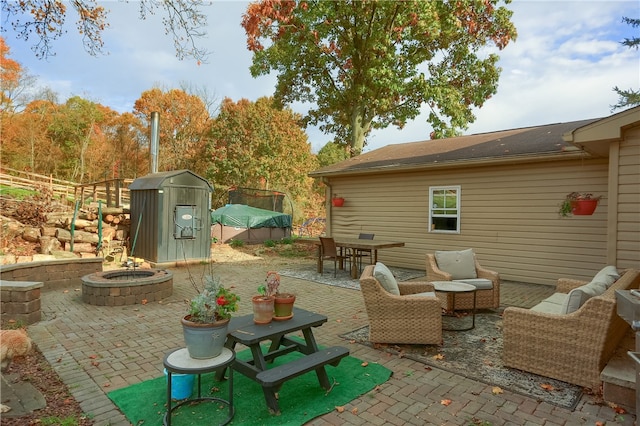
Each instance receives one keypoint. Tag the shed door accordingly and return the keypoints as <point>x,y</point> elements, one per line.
<point>184,222</point>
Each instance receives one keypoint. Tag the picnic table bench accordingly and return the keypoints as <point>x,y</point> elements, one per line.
<point>244,331</point>
<point>273,378</point>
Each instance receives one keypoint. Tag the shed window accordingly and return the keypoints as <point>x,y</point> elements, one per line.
<point>444,210</point>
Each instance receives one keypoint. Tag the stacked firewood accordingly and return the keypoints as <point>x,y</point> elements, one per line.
<point>55,233</point>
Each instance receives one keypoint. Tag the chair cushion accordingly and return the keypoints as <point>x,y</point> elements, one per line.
<point>423,294</point>
<point>386,278</point>
<point>600,283</point>
<point>607,275</point>
<point>460,264</point>
<point>552,304</point>
<point>479,283</point>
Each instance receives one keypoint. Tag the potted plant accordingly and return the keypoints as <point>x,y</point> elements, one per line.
<point>283,302</point>
<point>205,326</point>
<point>262,307</point>
<point>337,201</point>
<point>579,203</point>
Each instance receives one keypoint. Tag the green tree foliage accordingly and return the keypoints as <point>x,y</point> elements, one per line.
<point>75,130</point>
<point>630,97</point>
<point>44,21</point>
<point>257,145</point>
<point>332,153</point>
<point>369,64</point>
<point>184,121</point>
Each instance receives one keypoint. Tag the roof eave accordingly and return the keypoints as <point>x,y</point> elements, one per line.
<point>395,168</point>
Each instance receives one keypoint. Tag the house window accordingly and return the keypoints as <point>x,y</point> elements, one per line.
<point>444,210</point>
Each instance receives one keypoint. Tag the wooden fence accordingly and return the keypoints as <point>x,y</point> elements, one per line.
<point>114,192</point>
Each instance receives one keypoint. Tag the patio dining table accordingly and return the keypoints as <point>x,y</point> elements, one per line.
<point>354,244</point>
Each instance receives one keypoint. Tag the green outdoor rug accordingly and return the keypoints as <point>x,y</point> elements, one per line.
<point>300,399</point>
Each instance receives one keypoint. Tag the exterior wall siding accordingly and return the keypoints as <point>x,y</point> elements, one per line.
<point>628,208</point>
<point>509,217</point>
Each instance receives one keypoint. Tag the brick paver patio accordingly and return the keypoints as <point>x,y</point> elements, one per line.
<point>129,342</point>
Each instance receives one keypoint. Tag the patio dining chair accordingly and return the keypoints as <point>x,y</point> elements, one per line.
<point>330,252</point>
<point>362,253</point>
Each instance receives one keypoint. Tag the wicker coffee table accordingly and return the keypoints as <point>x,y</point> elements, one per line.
<point>453,288</point>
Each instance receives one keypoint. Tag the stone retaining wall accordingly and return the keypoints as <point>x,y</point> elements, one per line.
<point>21,284</point>
<point>20,301</point>
<point>53,274</point>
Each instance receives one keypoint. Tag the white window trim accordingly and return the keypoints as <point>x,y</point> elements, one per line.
<point>457,188</point>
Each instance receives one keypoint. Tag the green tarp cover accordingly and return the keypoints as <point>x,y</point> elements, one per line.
<point>243,216</point>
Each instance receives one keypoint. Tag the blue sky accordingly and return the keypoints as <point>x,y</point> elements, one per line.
<point>562,67</point>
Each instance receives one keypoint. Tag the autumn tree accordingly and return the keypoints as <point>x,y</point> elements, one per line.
<point>75,127</point>
<point>257,145</point>
<point>368,64</point>
<point>629,97</point>
<point>44,21</point>
<point>10,73</point>
<point>184,120</point>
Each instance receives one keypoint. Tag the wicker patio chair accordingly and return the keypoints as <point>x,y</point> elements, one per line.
<point>404,318</point>
<point>485,298</point>
<point>571,347</point>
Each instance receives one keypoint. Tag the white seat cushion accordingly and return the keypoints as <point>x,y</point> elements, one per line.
<point>600,283</point>
<point>460,264</point>
<point>479,283</point>
<point>552,304</point>
<point>386,279</point>
<point>424,294</point>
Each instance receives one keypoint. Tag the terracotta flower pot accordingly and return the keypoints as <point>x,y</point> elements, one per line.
<point>262,309</point>
<point>283,306</point>
<point>583,207</point>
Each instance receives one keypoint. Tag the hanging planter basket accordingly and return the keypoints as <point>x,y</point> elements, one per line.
<point>337,201</point>
<point>583,207</point>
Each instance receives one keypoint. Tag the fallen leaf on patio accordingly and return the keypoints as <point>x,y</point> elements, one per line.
<point>616,408</point>
<point>547,387</point>
<point>438,357</point>
<point>144,301</point>
<point>93,356</point>
<point>445,402</point>
<point>106,385</point>
<point>68,401</point>
<point>354,410</point>
<point>352,341</point>
<point>340,409</point>
<point>338,320</point>
<point>487,362</point>
<point>496,390</point>
<point>378,388</point>
<point>599,423</point>
<point>364,364</point>
<point>95,363</point>
<point>426,367</point>
<point>66,291</point>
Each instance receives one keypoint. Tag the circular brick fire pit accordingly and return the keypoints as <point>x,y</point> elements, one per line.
<point>126,287</point>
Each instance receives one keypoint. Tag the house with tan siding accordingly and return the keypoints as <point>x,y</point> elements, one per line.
<point>500,194</point>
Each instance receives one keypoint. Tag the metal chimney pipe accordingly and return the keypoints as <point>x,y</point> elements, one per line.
<point>154,146</point>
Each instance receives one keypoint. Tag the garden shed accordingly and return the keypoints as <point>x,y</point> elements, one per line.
<point>170,218</point>
<point>249,224</point>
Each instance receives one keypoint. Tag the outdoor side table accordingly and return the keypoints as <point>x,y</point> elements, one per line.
<point>454,288</point>
<point>179,361</point>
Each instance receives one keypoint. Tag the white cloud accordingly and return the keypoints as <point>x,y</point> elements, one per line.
<point>562,67</point>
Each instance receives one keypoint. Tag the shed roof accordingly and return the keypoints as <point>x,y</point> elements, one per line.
<point>505,145</point>
<point>184,178</point>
